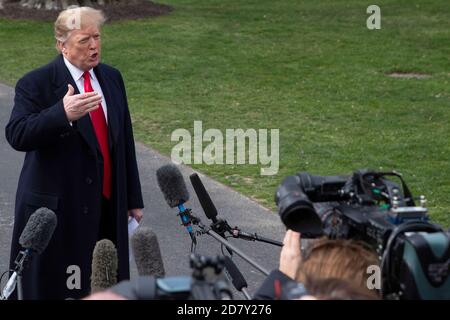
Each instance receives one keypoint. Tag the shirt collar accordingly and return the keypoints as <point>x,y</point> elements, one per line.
<point>75,72</point>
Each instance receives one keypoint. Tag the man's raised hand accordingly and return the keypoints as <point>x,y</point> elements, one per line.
<point>78,105</point>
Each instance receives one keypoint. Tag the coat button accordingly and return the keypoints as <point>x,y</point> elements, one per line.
<point>88,180</point>
<point>85,209</point>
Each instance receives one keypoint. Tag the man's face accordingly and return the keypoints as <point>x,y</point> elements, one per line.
<point>83,48</point>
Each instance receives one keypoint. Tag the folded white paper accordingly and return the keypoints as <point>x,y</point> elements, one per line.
<point>132,226</point>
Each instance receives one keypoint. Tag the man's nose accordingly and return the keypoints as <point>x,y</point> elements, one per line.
<point>93,44</point>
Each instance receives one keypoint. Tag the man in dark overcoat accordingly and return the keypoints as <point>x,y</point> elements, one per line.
<point>71,118</point>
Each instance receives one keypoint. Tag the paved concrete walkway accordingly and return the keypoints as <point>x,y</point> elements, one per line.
<point>173,239</point>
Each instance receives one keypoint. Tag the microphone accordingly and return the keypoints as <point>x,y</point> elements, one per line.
<point>218,225</point>
<point>171,183</point>
<point>147,254</point>
<point>34,239</point>
<point>236,276</point>
<point>204,198</point>
<point>39,230</point>
<point>104,266</point>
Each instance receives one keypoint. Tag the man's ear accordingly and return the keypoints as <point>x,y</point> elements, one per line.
<point>60,46</point>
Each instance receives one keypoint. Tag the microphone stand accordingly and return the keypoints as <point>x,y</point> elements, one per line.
<point>19,287</point>
<point>16,277</point>
<point>246,294</point>
<point>228,245</point>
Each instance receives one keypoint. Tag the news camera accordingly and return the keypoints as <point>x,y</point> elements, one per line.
<point>370,206</point>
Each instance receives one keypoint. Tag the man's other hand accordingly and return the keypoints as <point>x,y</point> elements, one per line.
<point>136,213</point>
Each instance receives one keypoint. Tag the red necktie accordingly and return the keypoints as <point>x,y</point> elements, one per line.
<point>101,132</point>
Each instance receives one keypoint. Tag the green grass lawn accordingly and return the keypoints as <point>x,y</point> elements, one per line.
<point>309,68</point>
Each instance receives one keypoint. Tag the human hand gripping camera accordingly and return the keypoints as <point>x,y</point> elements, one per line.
<point>413,253</point>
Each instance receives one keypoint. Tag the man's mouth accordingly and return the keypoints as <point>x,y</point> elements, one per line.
<point>94,56</point>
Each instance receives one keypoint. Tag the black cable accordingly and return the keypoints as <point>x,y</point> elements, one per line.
<point>221,249</point>
<point>222,246</point>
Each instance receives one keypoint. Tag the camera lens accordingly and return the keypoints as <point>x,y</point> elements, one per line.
<point>299,215</point>
<point>296,210</point>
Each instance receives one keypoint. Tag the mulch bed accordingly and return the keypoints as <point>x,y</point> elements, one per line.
<point>139,10</point>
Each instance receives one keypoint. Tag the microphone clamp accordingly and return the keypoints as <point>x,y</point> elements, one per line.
<point>237,233</point>
<point>16,277</point>
<point>186,219</point>
<point>220,226</point>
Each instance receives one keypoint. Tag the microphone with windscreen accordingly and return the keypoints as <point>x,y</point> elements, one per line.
<point>237,278</point>
<point>104,266</point>
<point>34,239</point>
<point>38,231</point>
<point>147,254</point>
<point>171,183</point>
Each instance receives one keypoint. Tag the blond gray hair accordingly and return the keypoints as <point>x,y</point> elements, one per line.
<point>75,18</point>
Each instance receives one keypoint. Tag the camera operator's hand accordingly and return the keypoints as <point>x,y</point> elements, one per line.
<point>291,256</point>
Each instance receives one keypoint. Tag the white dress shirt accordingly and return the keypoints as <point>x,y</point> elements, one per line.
<point>77,75</point>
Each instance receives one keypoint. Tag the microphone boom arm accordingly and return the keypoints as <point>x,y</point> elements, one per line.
<point>221,226</point>
<point>228,245</point>
<point>237,251</point>
<point>237,233</point>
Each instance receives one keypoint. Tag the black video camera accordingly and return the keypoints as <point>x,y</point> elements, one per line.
<point>367,206</point>
<point>207,283</point>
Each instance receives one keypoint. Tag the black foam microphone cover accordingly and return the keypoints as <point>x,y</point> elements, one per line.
<point>205,201</point>
<point>147,254</point>
<point>172,185</point>
<point>39,230</point>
